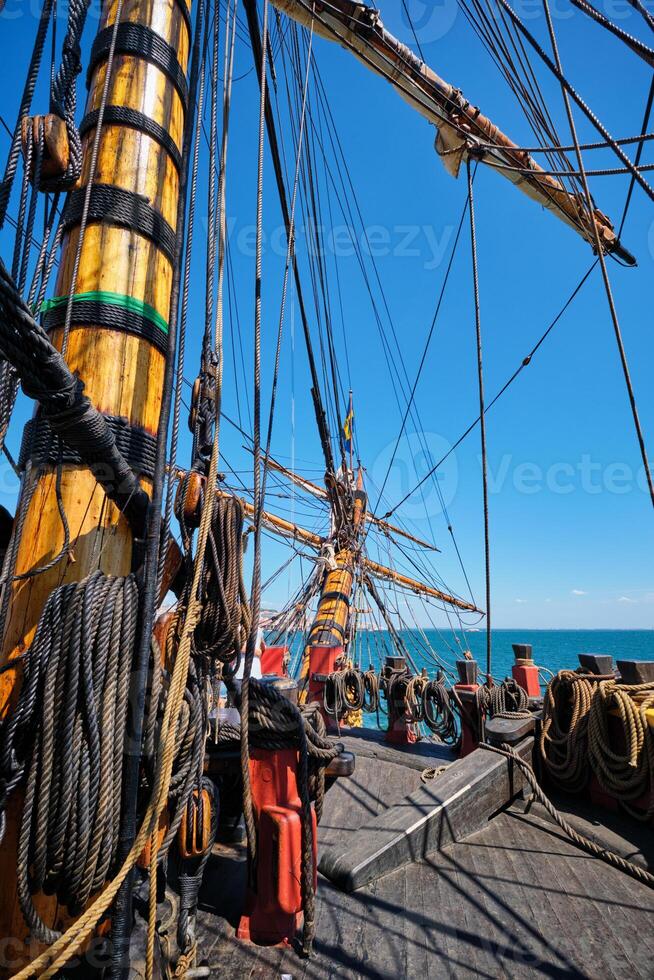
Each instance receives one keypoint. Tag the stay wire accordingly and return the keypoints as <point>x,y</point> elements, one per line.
<point>590,115</point>
<point>482,414</point>
<point>255,602</point>
<point>602,260</point>
<point>523,364</point>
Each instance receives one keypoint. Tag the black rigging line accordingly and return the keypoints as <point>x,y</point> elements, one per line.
<point>590,115</point>
<point>642,50</point>
<point>524,363</point>
<point>642,9</point>
<point>602,259</point>
<point>424,353</point>
<point>482,415</point>
<point>393,358</point>
<point>255,37</point>
<point>413,30</point>
<point>639,153</point>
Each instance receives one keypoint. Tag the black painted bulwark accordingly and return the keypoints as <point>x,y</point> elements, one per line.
<point>458,803</point>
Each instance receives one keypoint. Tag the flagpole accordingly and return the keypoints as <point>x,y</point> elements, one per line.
<point>351,416</point>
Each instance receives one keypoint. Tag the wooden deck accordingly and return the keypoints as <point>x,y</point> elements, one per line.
<point>516,900</point>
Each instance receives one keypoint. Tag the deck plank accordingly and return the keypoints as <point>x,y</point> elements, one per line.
<point>515,900</point>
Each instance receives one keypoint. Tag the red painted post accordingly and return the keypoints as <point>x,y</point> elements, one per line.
<point>525,671</point>
<point>274,661</point>
<point>466,689</point>
<point>273,912</point>
<point>322,663</point>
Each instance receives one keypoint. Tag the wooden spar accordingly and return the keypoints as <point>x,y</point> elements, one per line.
<point>285,528</point>
<point>322,494</point>
<point>123,373</point>
<point>380,571</point>
<point>462,129</point>
<point>340,579</point>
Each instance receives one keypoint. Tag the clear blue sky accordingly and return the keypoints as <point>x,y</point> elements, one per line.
<point>572,529</point>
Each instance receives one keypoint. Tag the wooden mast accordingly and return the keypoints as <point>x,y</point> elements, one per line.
<point>123,371</point>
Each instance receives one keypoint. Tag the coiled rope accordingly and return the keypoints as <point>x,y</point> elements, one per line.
<point>224,621</point>
<point>437,712</point>
<point>344,692</point>
<point>505,700</point>
<point>628,775</point>
<point>594,724</point>
<point>69,735</point>
<point>563,739</point>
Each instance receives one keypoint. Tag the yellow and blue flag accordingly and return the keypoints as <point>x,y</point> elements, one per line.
<point>348,428</point>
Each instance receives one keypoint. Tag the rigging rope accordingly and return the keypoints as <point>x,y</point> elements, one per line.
<point>601,257</point>
<point>642,50</point>
<point>255,600</point>
<point>25,103</point>
<point>628,867</point>
<point>556,71</point>
<point>482,418</point>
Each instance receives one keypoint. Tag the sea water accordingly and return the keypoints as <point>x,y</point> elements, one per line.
<point>554,649</point>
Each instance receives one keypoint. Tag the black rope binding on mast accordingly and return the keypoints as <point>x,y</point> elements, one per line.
<point>46,377</point>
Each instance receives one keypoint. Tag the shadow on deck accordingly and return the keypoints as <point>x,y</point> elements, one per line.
<point>514,900</point>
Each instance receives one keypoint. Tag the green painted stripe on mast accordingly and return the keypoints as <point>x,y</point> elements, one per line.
<point>130,303</point>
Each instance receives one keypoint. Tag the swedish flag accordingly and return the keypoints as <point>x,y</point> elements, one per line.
<point>348,429</point>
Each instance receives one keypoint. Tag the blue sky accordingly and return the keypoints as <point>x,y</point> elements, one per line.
<point>572,532</point>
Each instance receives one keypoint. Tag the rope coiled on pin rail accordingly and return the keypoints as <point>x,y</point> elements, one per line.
<point>344,692</point>
<point>437,712</point>
<point>505,700</point>
<point>372,689</point>
<point>68,736</point>
<point>583,715</point>
<point>627,774</point>
<point>563,742</point>
<point>628,867</point>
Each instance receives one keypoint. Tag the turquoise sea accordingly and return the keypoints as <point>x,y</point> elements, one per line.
<point>554,649</point>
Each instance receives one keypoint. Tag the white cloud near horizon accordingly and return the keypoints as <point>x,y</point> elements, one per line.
<point>579,592</point>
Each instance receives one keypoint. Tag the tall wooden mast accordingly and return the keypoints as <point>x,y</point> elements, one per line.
<point>126,264</point>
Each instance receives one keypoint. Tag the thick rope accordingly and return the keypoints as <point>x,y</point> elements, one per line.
<point>609,857</point>
<point>68,733</point>
<point>63,98</point>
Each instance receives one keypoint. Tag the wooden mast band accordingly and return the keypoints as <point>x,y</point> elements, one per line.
<point>114,205</point>
<point>120,115</point>
<point>141,42</point>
